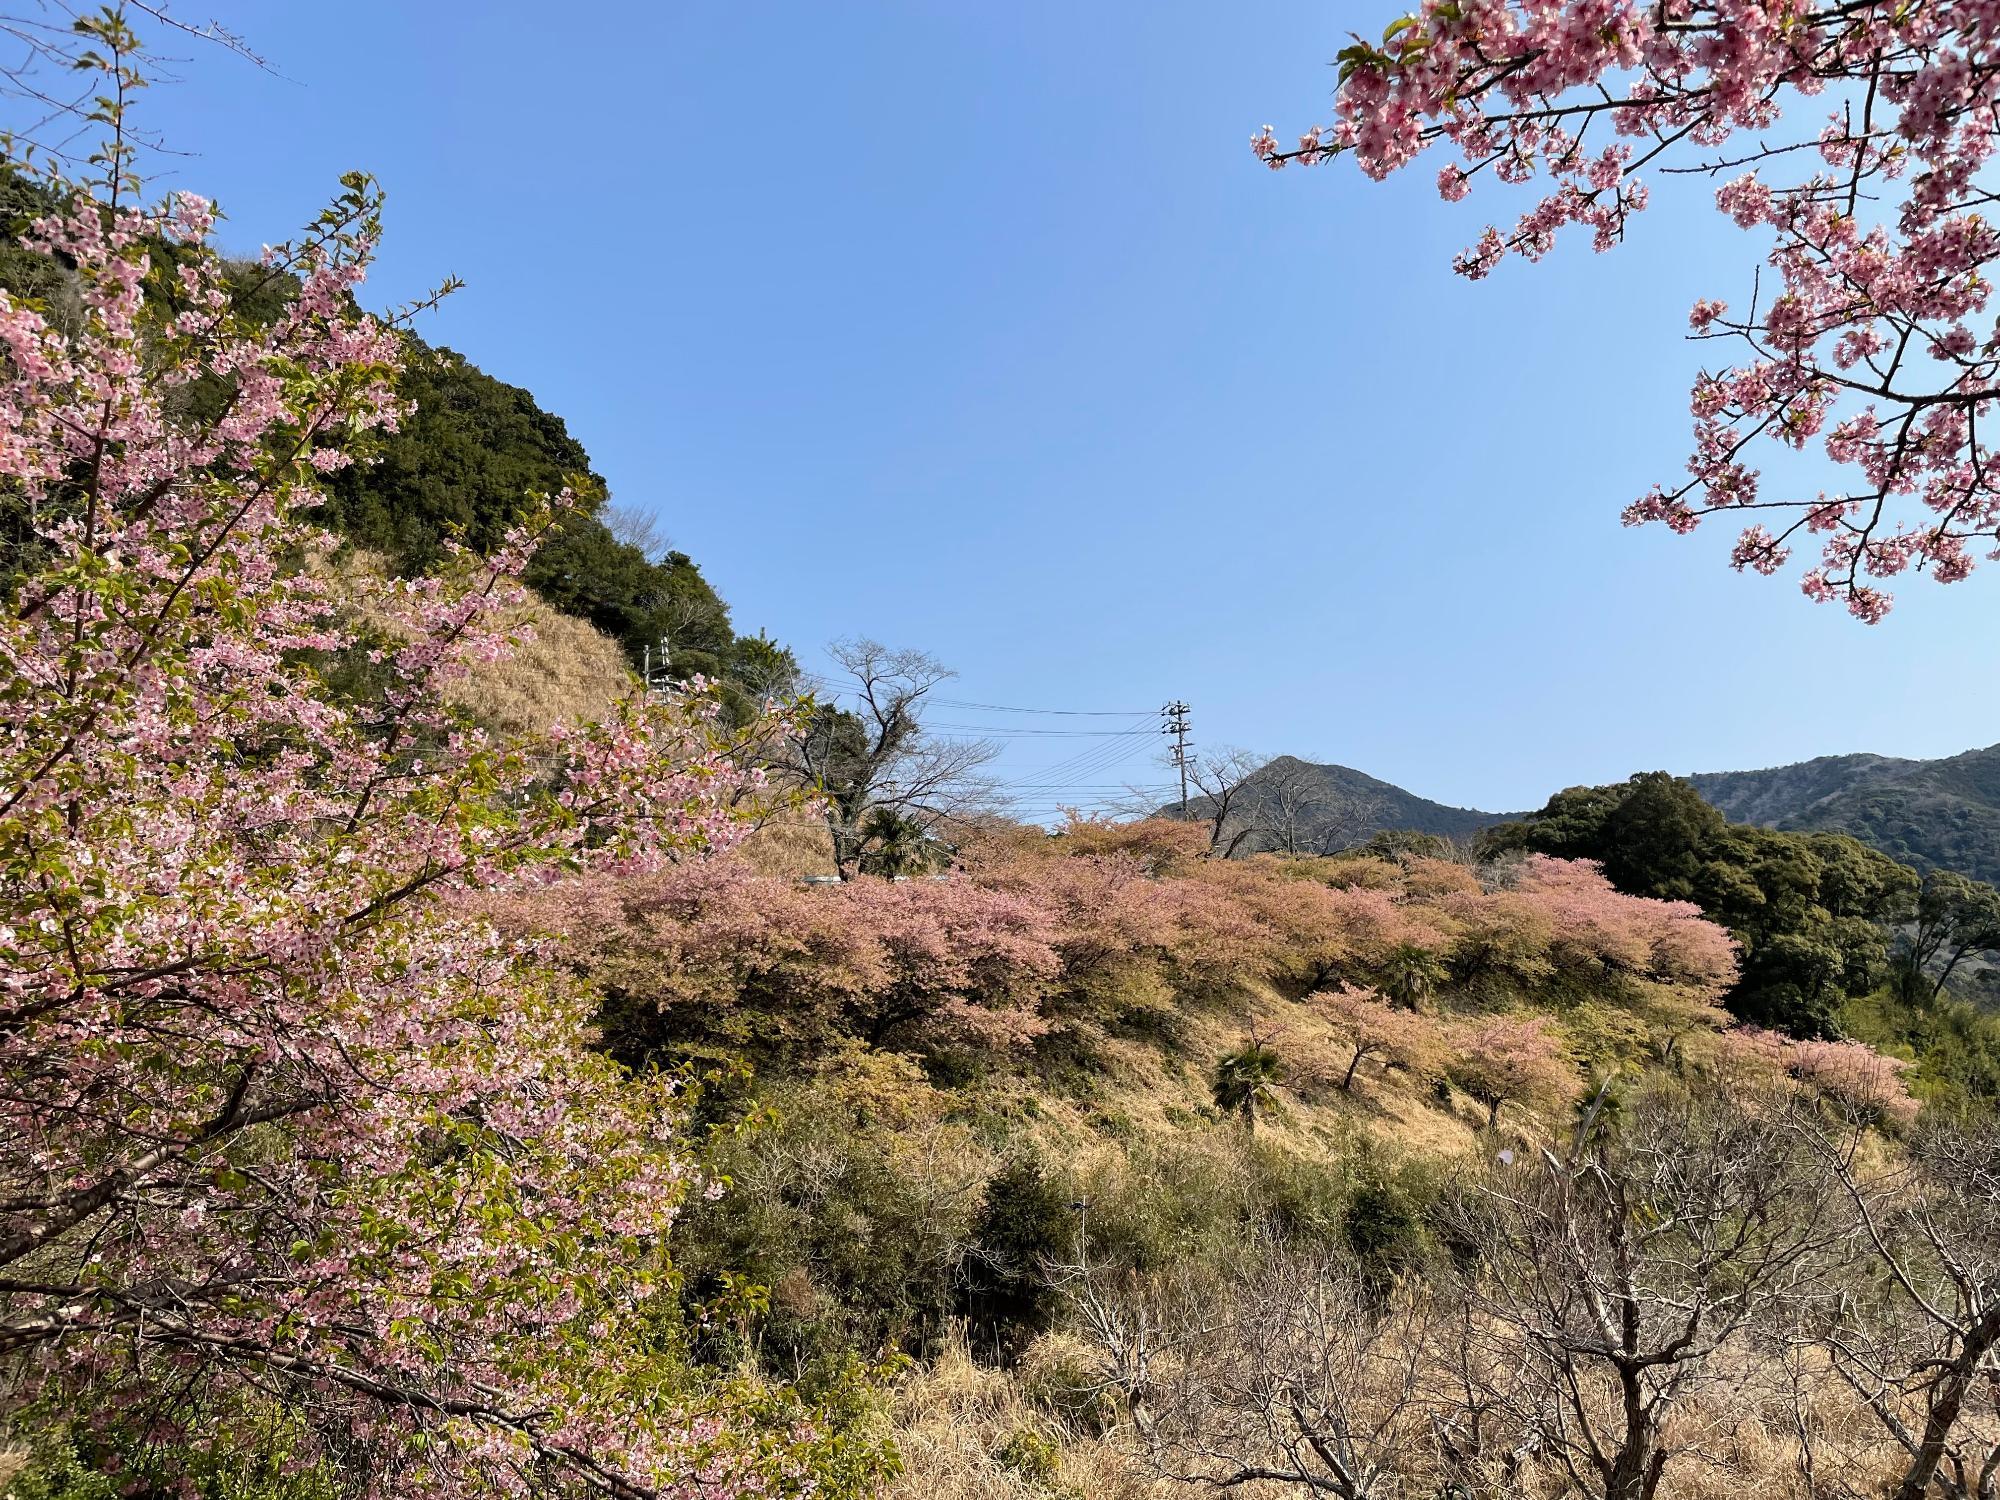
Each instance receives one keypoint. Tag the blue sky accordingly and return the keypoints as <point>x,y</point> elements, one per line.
<point>979,329</point>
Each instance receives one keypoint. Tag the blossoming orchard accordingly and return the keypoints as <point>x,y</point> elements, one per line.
<point>1854,132</point>
<point>477,1024</point>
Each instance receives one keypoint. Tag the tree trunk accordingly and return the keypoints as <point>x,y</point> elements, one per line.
<point>1635,1473</point>
<point>1947,1403</point>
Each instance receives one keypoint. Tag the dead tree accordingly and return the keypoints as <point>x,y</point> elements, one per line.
<point>1222,778</point>
<point>1925,1357</point>
<point>872,762</point>
<point>1616,1270</point>
<point>1291,807</point>
<point>1301,1374</point>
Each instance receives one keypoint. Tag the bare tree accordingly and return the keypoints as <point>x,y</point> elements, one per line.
<point>1925,1359</point>
<point>1223,803</point>
<point>870,759</point>
<point>1617,1271</point>
<point>51,98</point>
<point>638,528</point>
<point>1140,1328</point>
<point>1485,1407</point>
<point>1317,1380</point>
<point>1299,1374</point>
<point>1292,807</point>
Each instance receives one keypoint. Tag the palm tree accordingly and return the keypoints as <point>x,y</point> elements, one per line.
<point>1243,1079</point>
<point>1410,975</point>
<point>897,844</point>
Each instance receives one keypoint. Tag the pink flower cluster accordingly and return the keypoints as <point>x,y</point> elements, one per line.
<point>1850,1074</point>
<point>277,1114</point>
<point>1036,933</point>
<point>1873,338</point>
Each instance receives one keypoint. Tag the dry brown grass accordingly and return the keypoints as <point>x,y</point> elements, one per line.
<point>970,1433</point>
<point>962,1430</point>
<point>566,673</point>
<point>790,844</point>
<point>1137,1089</point>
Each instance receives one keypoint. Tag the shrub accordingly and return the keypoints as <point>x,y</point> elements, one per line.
<point>1851,1074</point>
<point>1025,1223</point>
<point>1371,1028</point>
<point>852,1202</point>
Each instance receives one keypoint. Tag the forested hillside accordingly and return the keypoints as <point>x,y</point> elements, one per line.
<point>461,468</point>
<point>1928,814</point>
<point>1933,814</point>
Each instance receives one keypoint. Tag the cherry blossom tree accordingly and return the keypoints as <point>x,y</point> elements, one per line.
<point>1599,929</point>
<point>710,955</point>
<point>1852,1075</point>
<point>1400,1038</point>
<point>284,1126</point>
<point>1511,1059</point>
<point>1852,133</point>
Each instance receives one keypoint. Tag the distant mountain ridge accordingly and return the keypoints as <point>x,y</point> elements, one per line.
<point>1933,814</point>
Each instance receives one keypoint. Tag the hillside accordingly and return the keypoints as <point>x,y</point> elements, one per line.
<point>1296,806</point>
<point>461,468</point>
<point>1066,1128</point>
<point>1932,814</point>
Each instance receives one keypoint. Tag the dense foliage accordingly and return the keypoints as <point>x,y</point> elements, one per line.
<point>1929,814</point>
<point>297,1149</point>
<point>1811,910</point>
<point>1168,1290</point>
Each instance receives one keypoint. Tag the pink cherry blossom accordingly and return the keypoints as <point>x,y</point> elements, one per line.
<point>281,1115</point>
<point>1852,135</point>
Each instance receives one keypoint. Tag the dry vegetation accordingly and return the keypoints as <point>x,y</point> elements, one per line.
<point>562,671</point>
<point>967,1431</point>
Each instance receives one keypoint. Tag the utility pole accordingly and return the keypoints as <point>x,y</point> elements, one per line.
<point>1175,717</point>
<point>665,657</point>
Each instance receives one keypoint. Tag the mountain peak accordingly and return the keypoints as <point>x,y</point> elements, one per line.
<point>1933,814</point>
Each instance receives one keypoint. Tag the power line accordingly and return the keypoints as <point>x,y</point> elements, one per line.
<point>1084,763</point>
<point>1004,732</point>
<point>1009,708</point>
<point>1040,792</point>
<point>832,685</point>
<point>1163,789</point>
